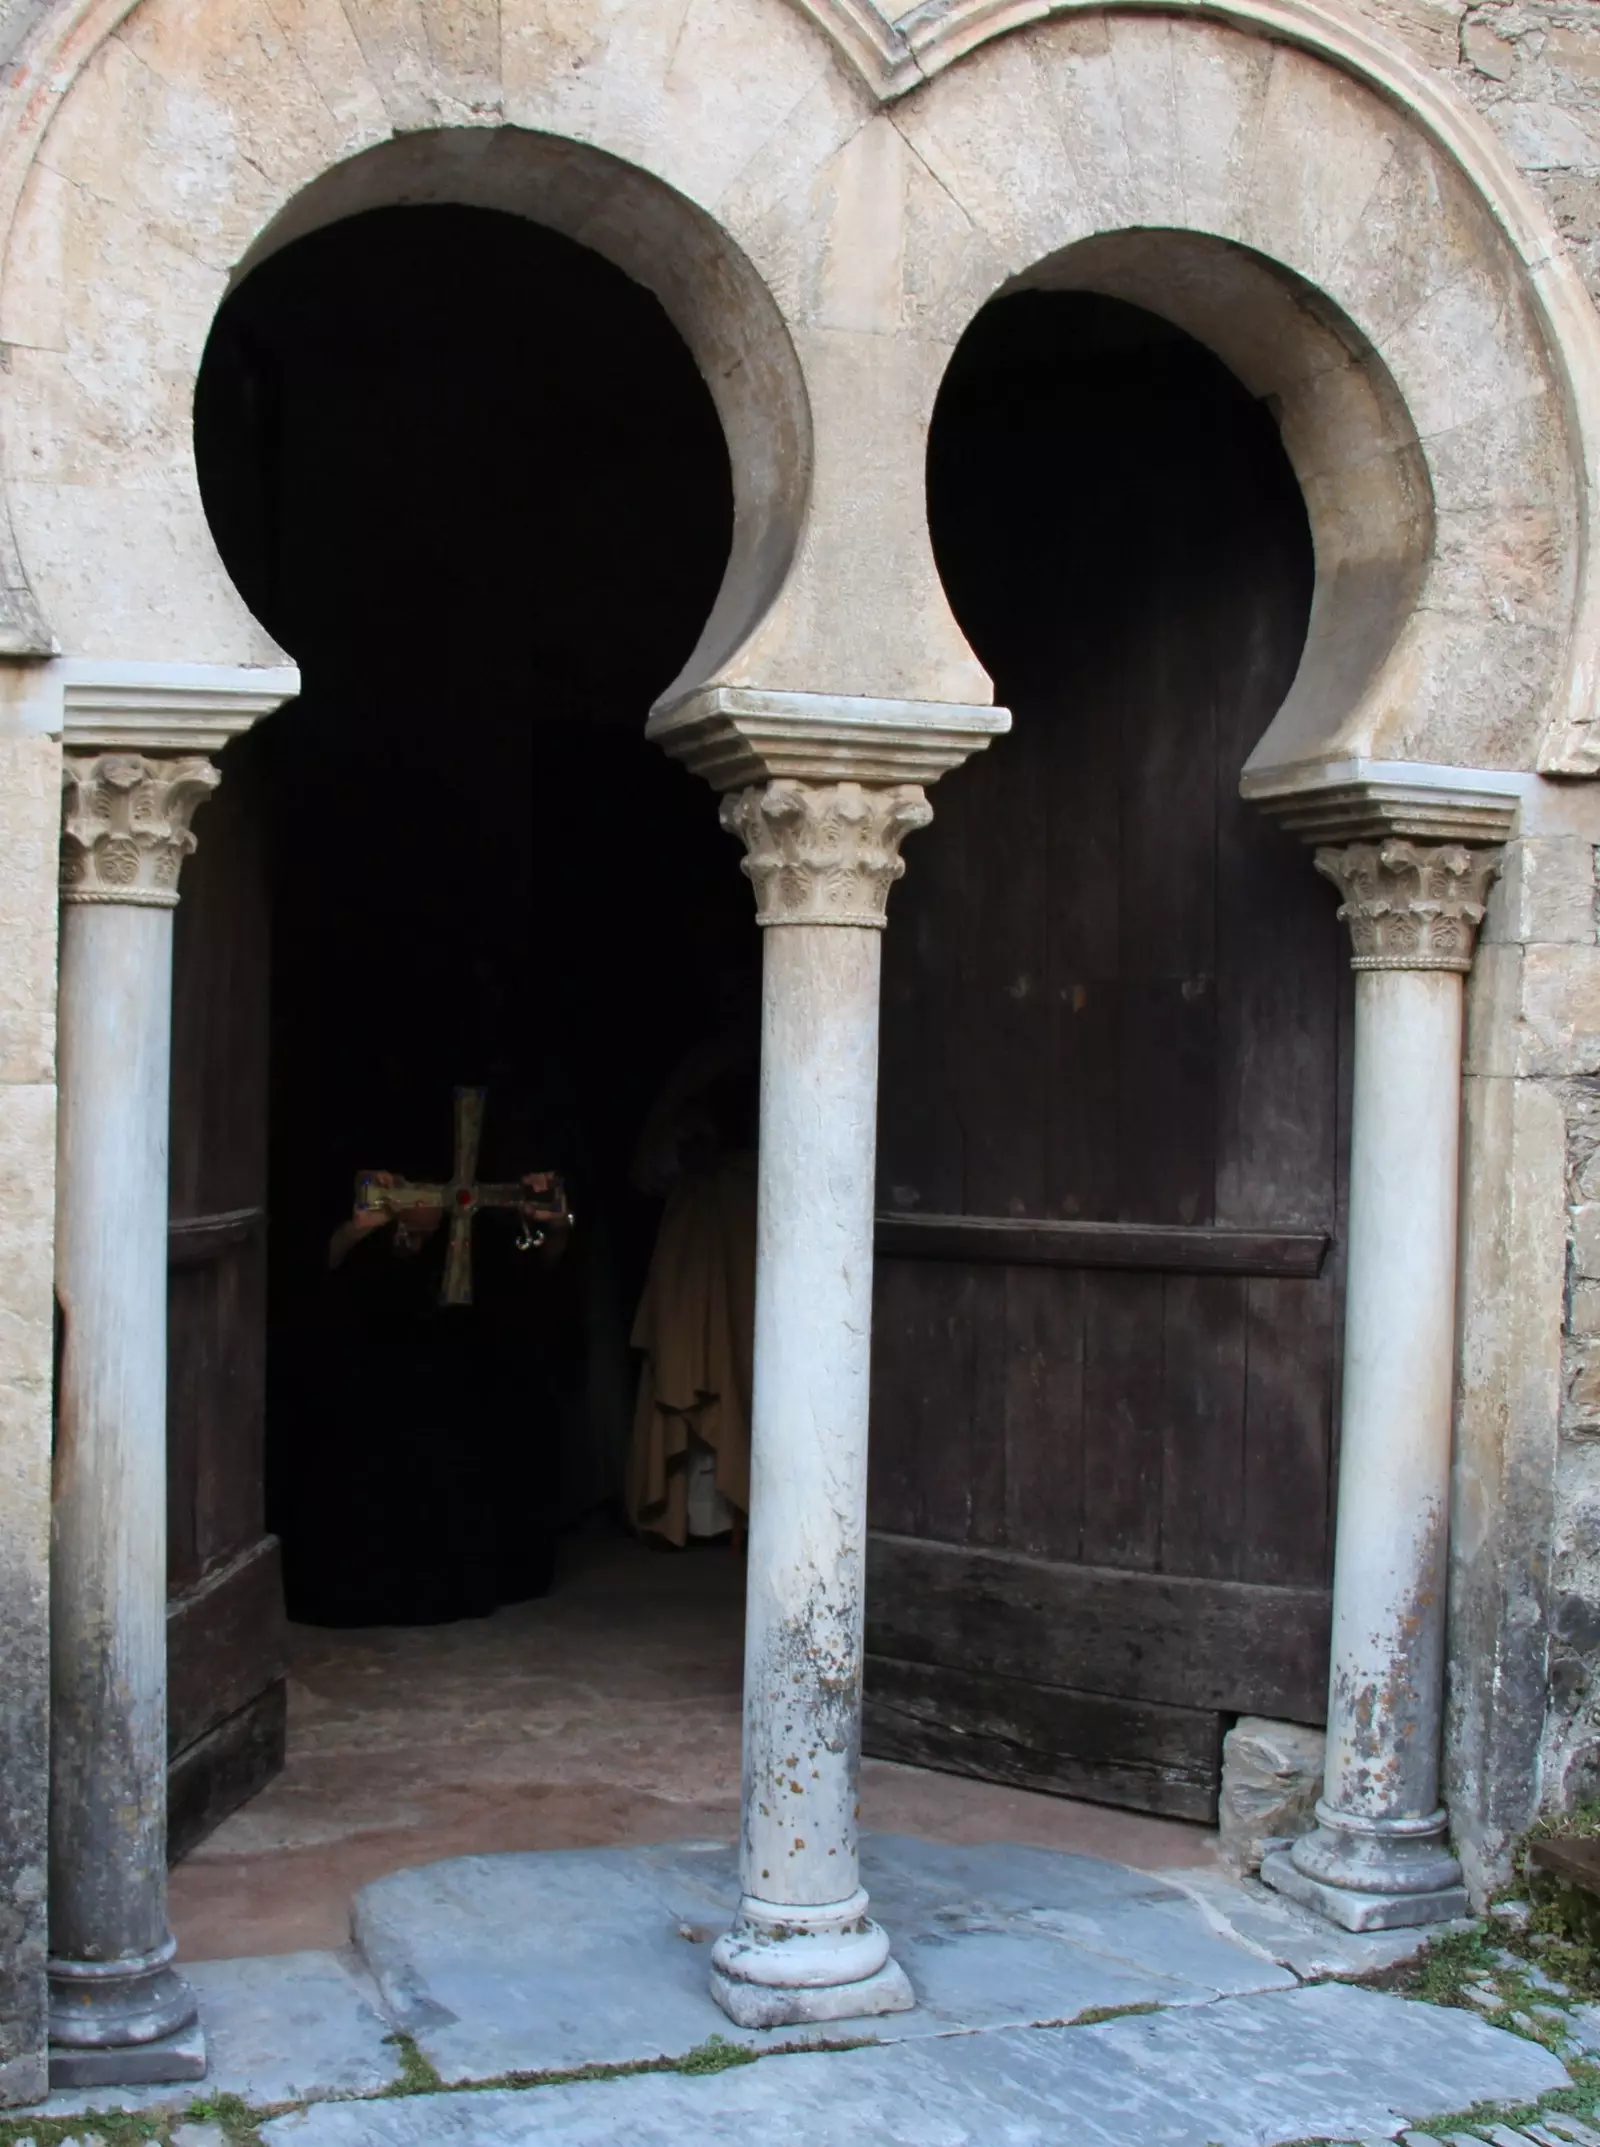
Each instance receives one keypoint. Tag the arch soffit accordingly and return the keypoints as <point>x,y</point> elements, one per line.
<point>890,61</point>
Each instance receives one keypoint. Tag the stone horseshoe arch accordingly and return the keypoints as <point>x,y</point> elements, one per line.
<point>825,199</point>
<point>847,193</point>
<point>1438,429</point>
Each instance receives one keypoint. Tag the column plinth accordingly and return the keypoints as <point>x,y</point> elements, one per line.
<point>1379,1857</point>
<point>822,857</point>
<point>118,2011</point>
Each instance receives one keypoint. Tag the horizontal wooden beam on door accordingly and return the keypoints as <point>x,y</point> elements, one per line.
<point>1166,1248</point>
<point>194,1239</point>
<point>1216,1646</point>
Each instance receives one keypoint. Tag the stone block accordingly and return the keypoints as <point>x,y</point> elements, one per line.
<point>1490,54</point>
<point>1271,1778</point>
<point>1586,1239</point>
<point>1580,1416</point>
<point>30,836</point>
<point>1560,1012</point>
<point>27,1177</point>
<point>1545,893</point>
<point>174,2059</point>
<point>1583,1309</point>
<point>1494,1003</point>
<point>1509,1407</point>
<point>619,1939</point>
<point>1323,2063</point>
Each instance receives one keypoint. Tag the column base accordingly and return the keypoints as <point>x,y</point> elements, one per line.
<point>770,2005</point>
<point>1362,1911</point>
<point>171,2058</point>
<point>115,2005</point>
<point>783,1965</point>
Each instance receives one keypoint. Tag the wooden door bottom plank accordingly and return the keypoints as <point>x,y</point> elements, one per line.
<point>1143,1757</point>
<point>1229,1647</point>
<point>226,1768</point>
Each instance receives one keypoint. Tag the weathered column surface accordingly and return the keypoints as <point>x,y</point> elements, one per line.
<point>822,857</point>
<point>117,2008</point>
<point>822,789</point>
<point>1380,1855</point>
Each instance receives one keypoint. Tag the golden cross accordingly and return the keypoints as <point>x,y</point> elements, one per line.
<point>462,1199</point>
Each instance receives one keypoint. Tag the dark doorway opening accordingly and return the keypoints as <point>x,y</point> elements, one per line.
<point>1102,1454</point>
<point>467,473</point>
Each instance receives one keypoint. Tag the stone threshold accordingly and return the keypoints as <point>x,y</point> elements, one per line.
<point>1062,1993</point>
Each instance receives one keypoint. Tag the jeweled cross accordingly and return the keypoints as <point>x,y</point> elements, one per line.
<point>462,1198</point>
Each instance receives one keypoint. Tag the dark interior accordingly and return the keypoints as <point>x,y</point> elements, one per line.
<point>468,475</point>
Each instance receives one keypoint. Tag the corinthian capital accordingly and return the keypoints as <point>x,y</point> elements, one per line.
<point>125,825</point>
<point>1411,905</point>
<point>824,853</point>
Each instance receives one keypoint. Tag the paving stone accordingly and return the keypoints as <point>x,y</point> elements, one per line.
<point>199,2136</point>
<point>1538,1978</point>
<point>552,1960</point>
<point>1585,2026</point>
<point>278,2029</point>
<point>1516,1915</point>
<point>1268,1923</point>
<point>1325,2062</point>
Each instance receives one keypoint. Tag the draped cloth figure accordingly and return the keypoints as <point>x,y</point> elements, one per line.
<point>689,1464</point>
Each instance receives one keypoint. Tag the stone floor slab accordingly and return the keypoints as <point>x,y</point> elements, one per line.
<point>1270,1924</point>
<point>1327,2061</point>
<point>278,2029</point>
<point>545,1962</point>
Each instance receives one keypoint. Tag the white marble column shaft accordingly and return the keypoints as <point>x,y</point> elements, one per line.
<point>1380,1856</point>
<point>113,1993</point>
<point>803,1947</point>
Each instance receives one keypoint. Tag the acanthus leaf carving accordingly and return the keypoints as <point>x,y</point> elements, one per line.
<point>125,825</point>
<point>824,853</point>
<point>1411,905</point>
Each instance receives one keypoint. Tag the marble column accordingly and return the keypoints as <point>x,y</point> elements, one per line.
<point>118,2011</point>
<point>822,857</point>
<point>1380,1856</point>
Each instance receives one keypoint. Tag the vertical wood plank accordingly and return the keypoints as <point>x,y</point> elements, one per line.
<point>1001,1042</point>
<point>1289,1433</point>
<point>1044,1427</point>
<point>1122,1405</point>
<point>1203,1496</point>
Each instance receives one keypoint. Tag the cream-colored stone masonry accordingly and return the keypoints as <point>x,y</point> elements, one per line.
<point>1356,204</point>
<point>823,222</point>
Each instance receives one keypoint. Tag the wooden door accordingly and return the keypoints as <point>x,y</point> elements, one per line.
<point>1108,1287</point>
<point>225,1623</point>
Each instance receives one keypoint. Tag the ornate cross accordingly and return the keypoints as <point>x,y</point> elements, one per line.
<point>462,1199</point>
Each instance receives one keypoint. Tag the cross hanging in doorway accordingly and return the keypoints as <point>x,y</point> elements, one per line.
<point>539,1198</point>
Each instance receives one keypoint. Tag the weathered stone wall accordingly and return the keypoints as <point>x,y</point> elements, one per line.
<point>1524,1724</point>
<point>30,813</point>
<point>1532,67</point>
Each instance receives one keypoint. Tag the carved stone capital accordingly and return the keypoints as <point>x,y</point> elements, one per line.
<point>1411,905</point>
<point>125,825</point>
<point>824,853</point>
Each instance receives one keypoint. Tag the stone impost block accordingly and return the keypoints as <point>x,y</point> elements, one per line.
<point>737,736</point>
